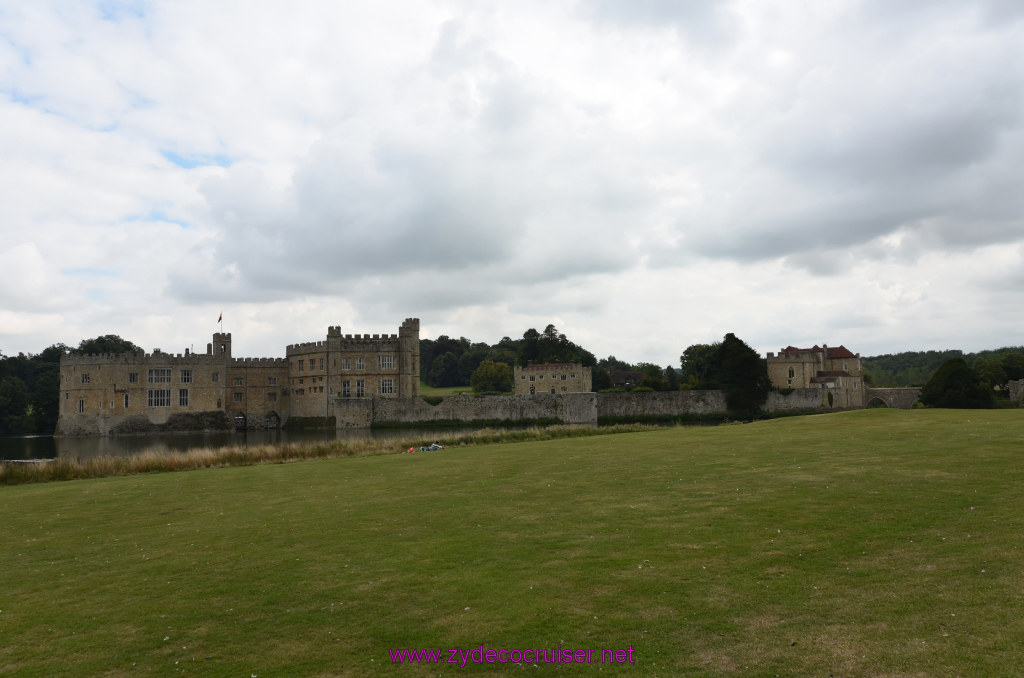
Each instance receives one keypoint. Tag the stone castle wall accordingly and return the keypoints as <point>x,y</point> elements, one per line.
<point>659,403</point>
<point>568,408</point>
<point>796,400</point>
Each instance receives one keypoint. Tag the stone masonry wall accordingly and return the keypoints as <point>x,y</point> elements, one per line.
<point>798,399</point>
<point>570,408</point>
<point>664,403</point>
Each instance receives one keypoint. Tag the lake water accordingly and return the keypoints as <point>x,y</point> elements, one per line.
<point>49,447</point>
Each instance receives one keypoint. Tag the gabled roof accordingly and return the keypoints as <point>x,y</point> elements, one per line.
<point>840,352</point>
<point>831,353</point>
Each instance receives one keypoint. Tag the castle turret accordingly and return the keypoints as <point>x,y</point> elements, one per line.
<point>221,345</point>
<point>409,358</point>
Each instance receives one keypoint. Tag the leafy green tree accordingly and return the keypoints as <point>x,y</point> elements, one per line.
<point>672,378</point>
<point>652,377</point>
<point>741,374</point>
<point>14,406</point>
<point>697,364</point>
<point>956,385</point>
<point>444,371</point>
<point>1013,365</point>
<point>990,371</point>
<point>600,379</point>
<point>108,343</point>
<point>492,377</point>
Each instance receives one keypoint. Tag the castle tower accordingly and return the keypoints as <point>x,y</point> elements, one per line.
<point>221,345</point>
<point>409,358</point>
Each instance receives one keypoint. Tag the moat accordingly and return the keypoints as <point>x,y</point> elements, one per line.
<point>49,447</point>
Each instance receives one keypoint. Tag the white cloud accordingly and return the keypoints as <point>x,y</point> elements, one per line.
<point>645,175</point>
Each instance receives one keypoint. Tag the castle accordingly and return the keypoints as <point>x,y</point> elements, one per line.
<point>836,369</point>
<point>553,378</point>
<point>131,392</point>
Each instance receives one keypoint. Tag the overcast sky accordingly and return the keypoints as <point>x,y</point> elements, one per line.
<point>643,174</point>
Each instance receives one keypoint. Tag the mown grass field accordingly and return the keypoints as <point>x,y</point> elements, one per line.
<point>444,391</point>
<point>872,543</point>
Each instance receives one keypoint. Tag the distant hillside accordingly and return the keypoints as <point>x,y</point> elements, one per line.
<point>915,368</point>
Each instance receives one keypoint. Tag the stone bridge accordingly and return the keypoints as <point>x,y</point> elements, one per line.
<point>899,398</point>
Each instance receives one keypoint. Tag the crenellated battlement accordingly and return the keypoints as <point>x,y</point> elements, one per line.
<point>259,362</point>
<point>130,358</point>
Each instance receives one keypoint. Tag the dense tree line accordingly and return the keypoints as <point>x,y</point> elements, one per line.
<point>30,383</point>
<point>915,368</point>
<point>446,362</point>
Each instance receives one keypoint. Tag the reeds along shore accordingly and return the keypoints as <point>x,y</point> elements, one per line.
<point>206,457</point>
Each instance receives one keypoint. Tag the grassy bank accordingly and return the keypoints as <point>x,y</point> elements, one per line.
<point>218,457</point>
<point>883,543</point>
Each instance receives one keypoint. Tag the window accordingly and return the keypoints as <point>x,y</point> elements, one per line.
<point>81,405</point>
<point>360,388</point>
<point>533,378</point>
<point>792,373</point>
<point>346,389</point>
<point>159,397</point>
<point>321,363</point>
<point>272,397</point>
<point>271,381</point>
<point>312,364</point>
<point>846,367</point>
<point>386,386</point>
<point>186,376</point>
<point>523,378</point>
<point>133,377</point>
<point>552,390</point>
<point>85,377</point>
<point>359,364</point>
<point>386,362</point>
<point>159,375</point>
<point>564,389</point>
<point>346,363</point>
<point>302,380</point>
<point>215,377</point>
<point>238,381</point>
<point>126,401</point>
<point>301,363</point>
<point>183,397</point>
<point>237,397</point>
<point>563,377</point>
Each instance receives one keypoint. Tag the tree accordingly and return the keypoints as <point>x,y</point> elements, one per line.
<point>956,385</point>
<point>107,344</point>
<point>742,374</point>
<point>651,377</point>
<point>672,378</point>
<point>491,377</point>
<point>14,406</point>
<point>600,379</point>
<point>990,371</point>
<point>697,364</point>
<point>444,371</point>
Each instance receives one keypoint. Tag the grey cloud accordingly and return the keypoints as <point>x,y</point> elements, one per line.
<point>703,23</point>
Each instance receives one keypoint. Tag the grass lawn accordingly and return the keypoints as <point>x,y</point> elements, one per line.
<point>445,391</point>
<point>871,543</point>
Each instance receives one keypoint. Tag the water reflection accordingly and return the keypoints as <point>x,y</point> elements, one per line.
<point>48,447</point>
